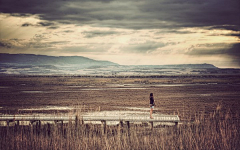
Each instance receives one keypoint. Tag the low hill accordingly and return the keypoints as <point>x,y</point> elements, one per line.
<point>179,66</point>
<point>29,64</point>
<point>32,59</point>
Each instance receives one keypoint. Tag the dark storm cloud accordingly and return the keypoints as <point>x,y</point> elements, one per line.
<point>187,13</point>
<point>146,47</point>
<point>35,42</point>
<point>11,43</point>
<point>53,27</point>
<point>206,52</point>
<point>174,31</point>
<point>135,14</point>
<point>227,27</point>
<point>5,45</point>
<point>68,31</point>
<point>235,51</point>
<point>26,24</point>
<point>226,34</point>
<point>92,34</point>
<point>19,14</point>
<point>218,49</point>
<point>45,23</point>
<point>237,35</point>
<point>48,24</point>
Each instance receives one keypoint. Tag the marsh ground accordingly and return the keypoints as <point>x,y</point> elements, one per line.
<point>208,107</point>
<point>182,95</point>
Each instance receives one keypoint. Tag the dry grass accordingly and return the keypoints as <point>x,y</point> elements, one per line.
<point>210,114</point>
<point>215,131</point>
<point>91,80</point>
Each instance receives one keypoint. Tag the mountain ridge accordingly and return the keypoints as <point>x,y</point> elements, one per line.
<point>50,60</point>
<point>32,59</point>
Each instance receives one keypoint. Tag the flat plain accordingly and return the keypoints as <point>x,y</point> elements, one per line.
<point>197,100</point>
<point>182,95</point>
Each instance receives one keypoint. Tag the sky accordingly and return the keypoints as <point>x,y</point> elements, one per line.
<point>127,32</point>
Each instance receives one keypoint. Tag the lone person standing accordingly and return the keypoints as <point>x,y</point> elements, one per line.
<point>151,105</point>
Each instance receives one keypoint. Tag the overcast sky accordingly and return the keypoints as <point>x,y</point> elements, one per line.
<point>127,32</point>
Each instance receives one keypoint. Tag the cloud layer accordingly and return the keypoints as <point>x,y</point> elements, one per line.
<point>134,14</point>
<point>152,29</point>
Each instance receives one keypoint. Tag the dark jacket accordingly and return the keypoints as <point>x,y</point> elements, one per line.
<point>152,100</point>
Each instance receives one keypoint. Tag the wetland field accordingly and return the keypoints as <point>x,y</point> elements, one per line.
<point>207,105</point>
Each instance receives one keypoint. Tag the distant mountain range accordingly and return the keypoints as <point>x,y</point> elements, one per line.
<point>31,59</point>
<point>193,66</point>
<point>29,64</point>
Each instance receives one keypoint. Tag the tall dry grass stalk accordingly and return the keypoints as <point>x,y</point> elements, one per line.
<point>217,130</point>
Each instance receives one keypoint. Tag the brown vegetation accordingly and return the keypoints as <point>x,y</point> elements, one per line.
<point>209,112</point>
<point>216,131</point>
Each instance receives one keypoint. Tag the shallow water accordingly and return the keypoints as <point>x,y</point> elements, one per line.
<point>36,92</point>
<point>114,88</point>
<point>32,92</point>
<point>4,87</point>
<point>50,108</point>
<point>152,85</point>
<point>205,95</point>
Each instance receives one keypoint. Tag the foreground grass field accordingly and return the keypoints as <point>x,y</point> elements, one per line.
<point>217,131</point>
<point>208,107</point>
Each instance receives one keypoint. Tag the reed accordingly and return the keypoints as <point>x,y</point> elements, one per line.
<point>217,130</point>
